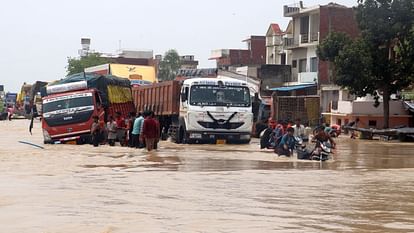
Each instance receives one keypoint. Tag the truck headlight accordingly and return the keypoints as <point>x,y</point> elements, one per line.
<point>46,136</point>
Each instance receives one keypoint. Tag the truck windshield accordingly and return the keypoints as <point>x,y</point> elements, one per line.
<point>208,95</point>
<point>69,103</point>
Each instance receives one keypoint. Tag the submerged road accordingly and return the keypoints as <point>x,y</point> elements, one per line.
<point>367,187</point>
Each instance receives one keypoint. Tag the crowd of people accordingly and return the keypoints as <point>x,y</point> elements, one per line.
<point>140,130</point>
<point>284,136</point>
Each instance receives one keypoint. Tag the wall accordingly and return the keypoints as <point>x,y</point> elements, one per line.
<point>364,121</point>
<point>339,20</point>
<point>258,50</point>
<point>273,76</point>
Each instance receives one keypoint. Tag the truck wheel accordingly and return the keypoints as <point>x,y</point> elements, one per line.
<point>182,137</point>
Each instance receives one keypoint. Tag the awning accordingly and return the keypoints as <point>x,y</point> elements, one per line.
<point>409,106</point>
<point>293,88</point>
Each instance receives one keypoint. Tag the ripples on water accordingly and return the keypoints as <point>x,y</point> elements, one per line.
<point>367,187</point>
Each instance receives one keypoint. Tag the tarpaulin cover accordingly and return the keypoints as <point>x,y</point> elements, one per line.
<point>105,84</point>
<point>293,88</point>
<point>119,94</point>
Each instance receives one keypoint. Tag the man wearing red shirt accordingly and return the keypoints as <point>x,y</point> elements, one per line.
<point>149,131</point>
<point>120,128</point>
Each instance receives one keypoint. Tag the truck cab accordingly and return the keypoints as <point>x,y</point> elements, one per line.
<point>213,109</point>
<point>67,112</point>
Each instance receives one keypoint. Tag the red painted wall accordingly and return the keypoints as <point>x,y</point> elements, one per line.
<point>335,19</point>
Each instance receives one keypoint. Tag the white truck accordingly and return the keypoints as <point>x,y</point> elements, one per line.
<point>197,110</point>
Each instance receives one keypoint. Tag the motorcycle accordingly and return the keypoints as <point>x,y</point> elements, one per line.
<point>270,138</point>
<point>321,152</point>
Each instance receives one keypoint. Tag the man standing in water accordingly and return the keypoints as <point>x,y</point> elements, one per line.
<point>149,131</point>
<point>111,127</point>
<point>121,128</point>
<point>136,131</point>
<point>96,131</point>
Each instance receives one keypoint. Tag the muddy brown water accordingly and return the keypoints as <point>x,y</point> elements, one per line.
<point>367,187</point>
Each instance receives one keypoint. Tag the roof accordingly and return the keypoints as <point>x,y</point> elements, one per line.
<point>276,29</point>
<point>293,88</point>
<point>214,80</point>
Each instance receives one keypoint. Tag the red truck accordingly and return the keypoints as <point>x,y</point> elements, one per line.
<point>68,105</point>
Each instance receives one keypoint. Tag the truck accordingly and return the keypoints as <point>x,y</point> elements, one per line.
<point>200,110</point>
<point>11,99</point>
<point>68,105</point>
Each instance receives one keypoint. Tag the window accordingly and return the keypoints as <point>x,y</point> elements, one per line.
<point>314,64</point>
<point>304,25</point>
<point>294,64</point>
<point>372,124</point>
<point>302,65</point>
<point>283,58</point>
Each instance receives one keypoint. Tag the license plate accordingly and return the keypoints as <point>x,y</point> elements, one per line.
<point>195,135</point>
<point>73,142</point>
<point>220,141</point>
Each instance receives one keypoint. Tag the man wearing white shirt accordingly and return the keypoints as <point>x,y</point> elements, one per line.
<point>299,129</point>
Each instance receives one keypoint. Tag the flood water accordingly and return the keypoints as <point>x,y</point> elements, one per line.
<point>367,187</point>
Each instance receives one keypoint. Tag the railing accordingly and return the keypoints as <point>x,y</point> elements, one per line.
<point>304,38</point>
<point>290,42</point>
<point>314,37</point>
<point>291,9</point>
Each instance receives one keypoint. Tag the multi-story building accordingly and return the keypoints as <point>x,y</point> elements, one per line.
<point>308,27</point>
<point>255,54</point>
<point>188,62</point>
<point>275,54</point>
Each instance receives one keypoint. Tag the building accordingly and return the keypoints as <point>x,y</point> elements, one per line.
<point>349,108</point>
<point>188,62</point>
<point>275,53</point>
<point>309,26</point>
<point>255,54</point>
<point>136,73</point>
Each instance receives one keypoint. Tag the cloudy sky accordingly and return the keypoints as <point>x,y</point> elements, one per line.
<point>37,36</point>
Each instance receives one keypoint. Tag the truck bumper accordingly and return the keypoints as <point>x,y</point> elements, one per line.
<point>213,137</point>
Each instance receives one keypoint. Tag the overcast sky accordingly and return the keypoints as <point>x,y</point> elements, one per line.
<point>37,36</point>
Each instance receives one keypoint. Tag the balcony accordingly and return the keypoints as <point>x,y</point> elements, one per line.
<point>314,37</point>
<point>309,38</point>
<point>289,43</point>
<point>273,41</point>
<point>291,10</point>
<point>308,77</point>
<point>304,38</point>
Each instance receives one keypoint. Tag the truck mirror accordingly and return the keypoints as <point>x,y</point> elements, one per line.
<point>184,94</point>
<point>183,97</point>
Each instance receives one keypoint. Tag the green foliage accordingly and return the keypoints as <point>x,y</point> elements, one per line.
<point>329,48</point>
<point>383,58</point>
<point>77,65</point>
<point>169,66</point>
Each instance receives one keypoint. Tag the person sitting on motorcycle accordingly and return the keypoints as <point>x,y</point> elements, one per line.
<point>322,136</point>
<point>287,143</point>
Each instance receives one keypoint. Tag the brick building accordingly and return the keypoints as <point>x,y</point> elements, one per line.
<point>255,54</point>
<point>309,26</point>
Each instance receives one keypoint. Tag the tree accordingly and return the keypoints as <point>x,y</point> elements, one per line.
<point>169,66</point>
<point>329,49</point>
<point>382,59</point>
<point>77,65</point>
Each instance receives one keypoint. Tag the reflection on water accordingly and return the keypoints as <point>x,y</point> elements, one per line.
<point>366,187</point>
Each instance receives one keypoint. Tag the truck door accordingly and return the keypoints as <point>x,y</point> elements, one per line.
<point>184,97</point>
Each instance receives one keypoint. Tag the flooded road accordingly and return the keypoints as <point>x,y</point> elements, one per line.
<point>367,187</point>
